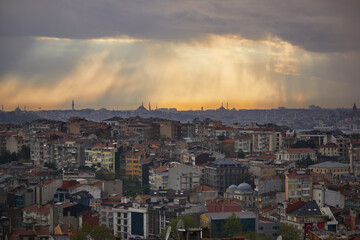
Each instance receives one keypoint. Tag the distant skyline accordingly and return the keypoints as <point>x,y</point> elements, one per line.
<point>179,54</point>
<point>146,106</point>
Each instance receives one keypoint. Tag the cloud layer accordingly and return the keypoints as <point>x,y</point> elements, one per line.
<point>320,26</point>
<point>185,54</point>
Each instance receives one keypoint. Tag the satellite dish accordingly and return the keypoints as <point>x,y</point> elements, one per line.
<point>168,231</point>
<point>180,225</point>
<point>279,237</point>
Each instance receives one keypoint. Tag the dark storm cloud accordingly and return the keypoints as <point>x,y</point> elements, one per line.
<point>319,26</point>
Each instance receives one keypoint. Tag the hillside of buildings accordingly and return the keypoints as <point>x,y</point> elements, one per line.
<point>132,177</point>
<point>312,118</point>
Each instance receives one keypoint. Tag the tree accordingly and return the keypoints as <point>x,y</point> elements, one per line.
<point>241,154</point>
<point>5,157</point>
<point>104,174</point>
<point>304,163</point>
<point>232,226</point>
<point>146,189</point>
<point>289,232</point>
<point>132,188</point>
<point>251,235</point>
<point>304,144</point>
<point>24,153</point>
<point>189,222</point>
<point>98,232</point>
<point>228,148</point>
<point>50,165</point>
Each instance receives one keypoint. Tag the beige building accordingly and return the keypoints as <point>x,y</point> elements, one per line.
<point>330,149</point>
<point>170,129</point>
<point>335,169</point>
<point>296,154</point>
<point>343,143</point>
<point>298,186</point>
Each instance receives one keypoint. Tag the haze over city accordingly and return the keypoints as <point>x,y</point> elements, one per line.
<point>183,54</point>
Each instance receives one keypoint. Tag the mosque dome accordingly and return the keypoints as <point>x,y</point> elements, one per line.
<point>244,187</point>
<point>232,188</point>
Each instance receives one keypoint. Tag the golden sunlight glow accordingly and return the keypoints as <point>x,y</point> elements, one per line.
<point>200,73</point>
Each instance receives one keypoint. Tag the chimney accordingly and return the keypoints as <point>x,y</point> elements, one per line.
<point>351,159</point>
<point>51,227</point>
<point>323,195</point>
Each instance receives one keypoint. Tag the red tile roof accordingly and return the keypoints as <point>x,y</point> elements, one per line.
<point>131,134</point>
<point>97,184</point>
<point>295,175</point>
<point>297,150</point>
<point>42,230</point>
<point>272,156</point>
<point>163,168</point>
<point>144,197</point>
<point>294,205</point>
<point>38,209</point>
<point>49,181</point>
<point>204,188</point>
<point>107,145</point>
<point>134,153</point>
<point>18,232</point>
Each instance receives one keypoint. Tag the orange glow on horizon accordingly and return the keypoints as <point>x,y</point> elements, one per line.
<point>184,75</point>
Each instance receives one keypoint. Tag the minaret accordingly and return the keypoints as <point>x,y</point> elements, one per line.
<point>149,107</point>
<point>73,105</point>
<point>227,106</point>
<point>351,159</point>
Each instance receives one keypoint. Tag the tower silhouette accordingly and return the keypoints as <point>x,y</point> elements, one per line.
<point>73,105</point>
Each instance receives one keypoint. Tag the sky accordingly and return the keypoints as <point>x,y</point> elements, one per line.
<point>188,54</point>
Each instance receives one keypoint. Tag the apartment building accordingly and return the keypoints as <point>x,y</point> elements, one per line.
<point>298,185</point>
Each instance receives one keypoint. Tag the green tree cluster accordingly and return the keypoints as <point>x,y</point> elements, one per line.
<point>104,174</point>
<point>23,155</point>
<point>98,232</point>
<point>304,144</point>
<point>304,163</point>
<point>232,227</point>
<point>228,149</point>
<point>289,232</point>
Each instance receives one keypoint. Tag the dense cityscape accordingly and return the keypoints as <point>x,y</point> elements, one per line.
<point>179,120</point>
<point>132,177</point>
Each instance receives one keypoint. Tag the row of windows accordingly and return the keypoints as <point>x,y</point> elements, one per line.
<point>122,215</point>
